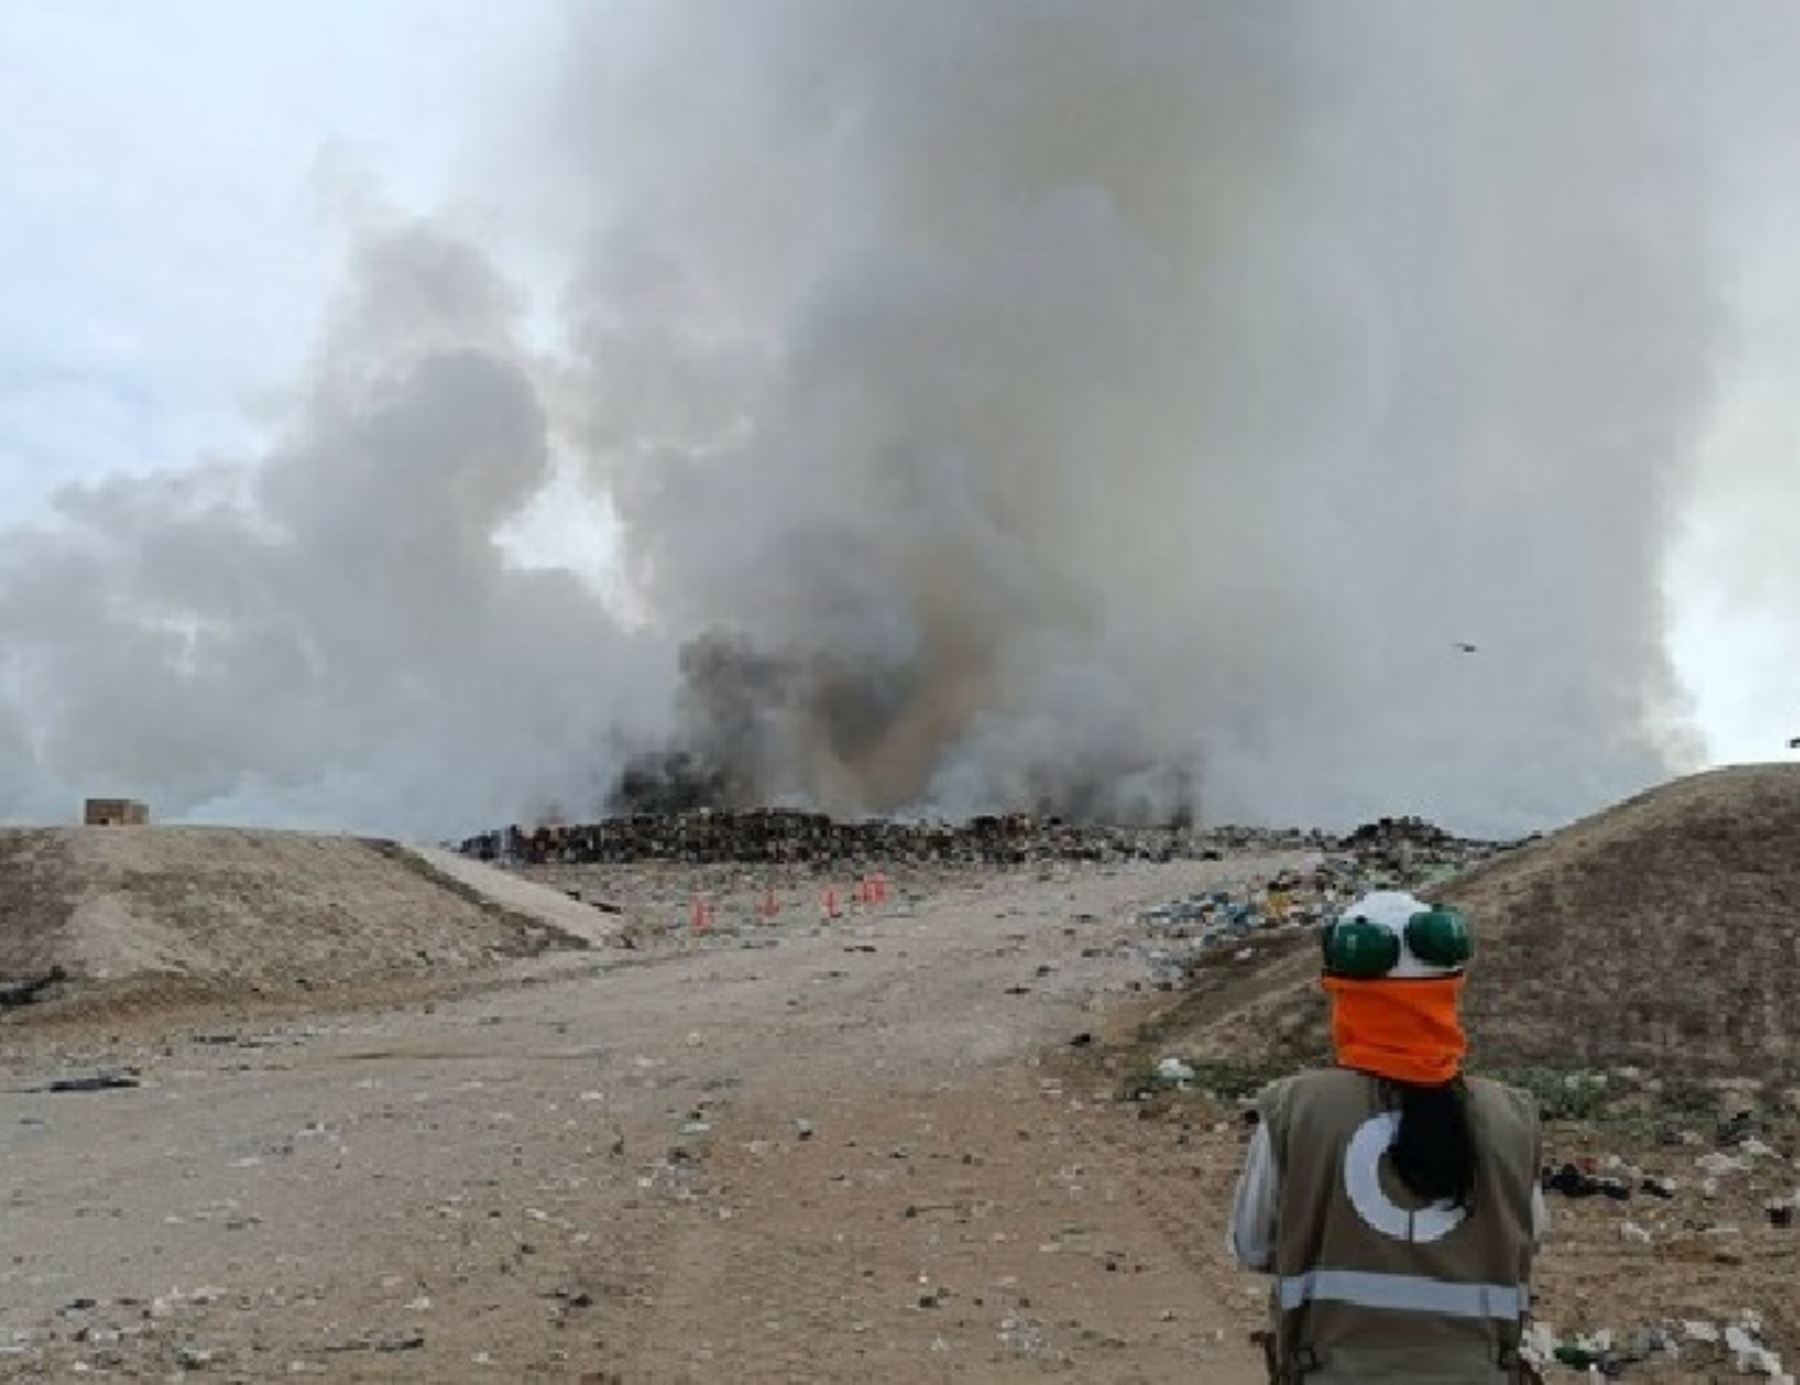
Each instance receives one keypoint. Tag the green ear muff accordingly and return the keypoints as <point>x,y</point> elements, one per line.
<point>1440,937</point>
<point>1359,950</point>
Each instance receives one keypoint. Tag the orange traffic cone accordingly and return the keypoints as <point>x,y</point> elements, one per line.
<point>701,914</point>
<point>831,908</point>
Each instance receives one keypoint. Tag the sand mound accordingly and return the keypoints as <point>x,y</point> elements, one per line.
<point>1664,932</point>
<point>223,906</point>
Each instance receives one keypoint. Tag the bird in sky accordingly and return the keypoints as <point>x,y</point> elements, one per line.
<point>1462,648</point>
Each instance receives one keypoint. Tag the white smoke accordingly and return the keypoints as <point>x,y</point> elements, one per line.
<point>1161,392</point>
<point>1025,404</point>
<point>333,636</point>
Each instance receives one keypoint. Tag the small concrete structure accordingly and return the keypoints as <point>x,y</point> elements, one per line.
<point>115,812</point>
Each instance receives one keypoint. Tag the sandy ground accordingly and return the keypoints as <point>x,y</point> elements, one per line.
<point>886,1148</point>
<point>805,1152</point>
<point>217,910</point>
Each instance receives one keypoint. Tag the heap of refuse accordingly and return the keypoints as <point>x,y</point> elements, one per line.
<point>1414,852</point>
<point>784,836</point>
<point>1390,832</point>
<point>1407,848</point>
<point>1404,853</point>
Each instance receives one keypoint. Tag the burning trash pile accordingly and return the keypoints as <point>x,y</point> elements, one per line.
<point>1394,853</point>
<point>786,837</point>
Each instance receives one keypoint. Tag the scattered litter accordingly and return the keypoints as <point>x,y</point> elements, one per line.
<point>1389,854</point>
<point>1716,1165</point>
<point>1175,1071</point>
<point>1574,1182</point>
<point>26,991</point>
<point>1749,1354</point>
<point>99,1082</point>
<point>1696,1343</point>
<point>395,1342</point>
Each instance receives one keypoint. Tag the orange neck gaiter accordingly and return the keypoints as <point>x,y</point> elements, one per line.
<point>1408,1031</point>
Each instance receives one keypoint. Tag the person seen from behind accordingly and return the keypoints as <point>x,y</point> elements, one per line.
<point>1393,1199</point>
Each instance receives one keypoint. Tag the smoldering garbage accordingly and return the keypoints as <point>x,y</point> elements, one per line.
<point>1174,937</point>
<point>1410,849</point>
<point>791,837</point>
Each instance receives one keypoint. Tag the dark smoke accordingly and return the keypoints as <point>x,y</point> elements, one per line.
<point>745,716</point>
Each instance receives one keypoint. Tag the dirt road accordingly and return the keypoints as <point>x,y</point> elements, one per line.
<point>808,1152</point>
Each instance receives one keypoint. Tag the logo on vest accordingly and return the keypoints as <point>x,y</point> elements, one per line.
<point>1362,1180</point>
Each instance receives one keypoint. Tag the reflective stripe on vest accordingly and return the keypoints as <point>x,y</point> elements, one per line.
<point>1404,1293</point>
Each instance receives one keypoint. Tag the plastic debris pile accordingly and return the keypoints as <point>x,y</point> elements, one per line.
<point>1395,853</point>
<point>1178,934</point>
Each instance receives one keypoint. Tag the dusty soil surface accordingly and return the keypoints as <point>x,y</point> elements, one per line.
<point>220,911</point>
<point>886,1147</point>
<point>799,1152</point>
<point>1663,933</point>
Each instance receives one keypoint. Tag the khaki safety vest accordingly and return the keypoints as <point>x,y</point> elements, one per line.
<point>1372,1284</point>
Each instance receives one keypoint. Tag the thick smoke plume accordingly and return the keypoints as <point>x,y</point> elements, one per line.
<point>1106,409</point>
<point>1149,397</point>
<point>331,637</point>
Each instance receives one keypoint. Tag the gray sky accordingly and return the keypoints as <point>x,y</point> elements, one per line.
<point>175,175</point>
<point>719,280</point>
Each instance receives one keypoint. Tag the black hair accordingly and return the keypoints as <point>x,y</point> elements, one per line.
<point>1434,1151</point>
